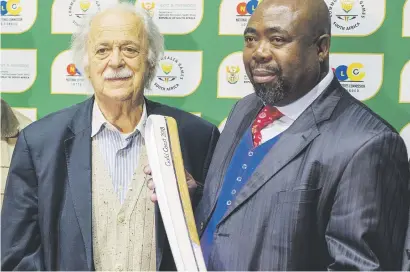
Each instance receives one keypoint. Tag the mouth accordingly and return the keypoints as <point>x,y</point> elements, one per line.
<point>263,76</point>
<point>118,79</point>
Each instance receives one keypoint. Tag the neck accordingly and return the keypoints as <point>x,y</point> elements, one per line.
<point>295,95</point>
<point>124,115</point>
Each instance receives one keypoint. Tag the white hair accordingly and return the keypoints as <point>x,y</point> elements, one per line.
<point>155,40</point>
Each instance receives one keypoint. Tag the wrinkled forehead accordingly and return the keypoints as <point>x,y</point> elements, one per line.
<point>117,27</point>
<point>287,17</point>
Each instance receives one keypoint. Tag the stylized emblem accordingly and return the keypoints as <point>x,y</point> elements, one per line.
<point>72,70</point>
<point>149,7</point>
<point>85,5</point>
<point>232,74</point>
<point>347,5</point>
<point>10,8</point>
<point>167,68</point>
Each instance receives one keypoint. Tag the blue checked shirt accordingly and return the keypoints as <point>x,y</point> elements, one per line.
<point>120,151</point>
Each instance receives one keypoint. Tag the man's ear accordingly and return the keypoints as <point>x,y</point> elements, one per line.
<point>323,47</point>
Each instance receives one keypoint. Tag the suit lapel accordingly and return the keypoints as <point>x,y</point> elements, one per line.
<point>78,155</point>
<point>291,143</point>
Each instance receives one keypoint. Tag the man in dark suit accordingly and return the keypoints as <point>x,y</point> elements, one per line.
<point>304,176</point>
<point>76,196</point>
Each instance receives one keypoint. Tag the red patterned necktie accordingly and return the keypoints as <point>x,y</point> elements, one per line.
<point>265,117</point>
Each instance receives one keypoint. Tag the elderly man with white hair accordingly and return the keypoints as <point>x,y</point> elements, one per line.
<point>76,196</point>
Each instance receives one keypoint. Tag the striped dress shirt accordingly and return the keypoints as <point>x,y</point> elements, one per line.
<point>120,151</point>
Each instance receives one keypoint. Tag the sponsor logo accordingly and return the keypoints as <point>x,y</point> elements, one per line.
<point>351,76</point>
<point>246,9</point>
<point>232,74</point>
<point>347,15</point>
<point>78,9</point>
<point>170,75</point>
<point>73,76</point>
<point>11,8</point>
<point>18,69</point>
<point>149,7</point>
<point>10,13</point>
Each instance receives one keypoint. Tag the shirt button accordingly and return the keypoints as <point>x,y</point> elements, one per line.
<point>228,202</point>
<point>202,225</point>
<point>233,192</point>
<point>121,218</point>
<point>239,179</point>
<point>244,166</point>
<point>250,153</point>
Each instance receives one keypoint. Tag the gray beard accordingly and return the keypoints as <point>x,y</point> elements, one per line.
<point>271,93</point>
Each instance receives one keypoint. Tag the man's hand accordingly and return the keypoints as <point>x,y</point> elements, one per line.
<point>192,184</point>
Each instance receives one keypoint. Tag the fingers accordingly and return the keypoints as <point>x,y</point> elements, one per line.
<point>147,170</point>
<point>191,183</point>
<point>150,184</point>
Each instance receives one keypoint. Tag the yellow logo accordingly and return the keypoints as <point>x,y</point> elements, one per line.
<point>347,5</point>
<point>232,74</point>
<point>13,7</point>
<point>149,7</point>
<point>85,5</point>
<point>166,67</point>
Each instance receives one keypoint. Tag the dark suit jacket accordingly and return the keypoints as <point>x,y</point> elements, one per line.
<point>406,255</point>
<point>46,216</point>
<point>332,193</point>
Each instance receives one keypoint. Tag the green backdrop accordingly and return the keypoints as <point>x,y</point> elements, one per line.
<point>388,39</point>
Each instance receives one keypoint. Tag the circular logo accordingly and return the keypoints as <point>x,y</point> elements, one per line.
<point>170,74</point>
<point>247,8</point>
<point>72,70</point>
<point>347,14</point>
<point>10,8</point>
<point>78,9</point>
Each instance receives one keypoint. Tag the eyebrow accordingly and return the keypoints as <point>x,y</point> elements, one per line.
<point>249,30</point>
<point>126,42</point>
<point>275,29</point>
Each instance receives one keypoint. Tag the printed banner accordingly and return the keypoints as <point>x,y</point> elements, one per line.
<point>360,74</point>
<point>66,78</point>
<point>405,84</point>
<point>232,79</point>
<point>67,15</point>
<point>174,17</point>
<point>18,69</point>
<point>179,74</point>
<point>356,17</point>
<point>17,16</point>
<point>234,15</point>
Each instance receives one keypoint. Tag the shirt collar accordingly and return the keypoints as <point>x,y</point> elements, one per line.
<point>99,122</point>
<point>296,108</point>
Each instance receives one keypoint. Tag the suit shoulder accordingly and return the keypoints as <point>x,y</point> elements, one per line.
<point>359,119</point>
<point>54,122</point>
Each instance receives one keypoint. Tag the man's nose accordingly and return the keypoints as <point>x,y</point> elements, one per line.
<point>116,59</point>
<point>262,53</point>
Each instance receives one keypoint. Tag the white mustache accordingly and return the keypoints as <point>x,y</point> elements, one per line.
<point>118,74</point>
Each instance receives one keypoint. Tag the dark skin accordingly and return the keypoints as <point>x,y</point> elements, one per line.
<point>286,50</point>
